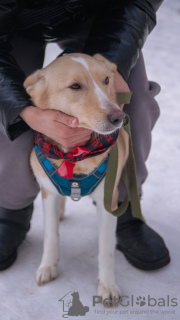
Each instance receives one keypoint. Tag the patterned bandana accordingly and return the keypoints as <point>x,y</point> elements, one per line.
<point>98,146</point>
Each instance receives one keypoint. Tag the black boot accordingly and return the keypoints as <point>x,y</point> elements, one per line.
<point>142,246</point>
<point>14,224</point>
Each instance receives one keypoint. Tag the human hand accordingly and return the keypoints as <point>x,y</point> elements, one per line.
<point>120,85</point>
<point>57,125</point>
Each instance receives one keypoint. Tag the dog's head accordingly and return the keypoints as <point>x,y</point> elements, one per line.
<point>80,86</point>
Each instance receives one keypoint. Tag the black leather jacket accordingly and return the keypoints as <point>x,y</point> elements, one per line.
<point>118,32</point>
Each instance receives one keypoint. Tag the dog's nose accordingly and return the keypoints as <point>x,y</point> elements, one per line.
<point>115,117</point>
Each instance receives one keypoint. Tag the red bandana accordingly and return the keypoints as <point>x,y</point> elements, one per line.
<point>98,146</point>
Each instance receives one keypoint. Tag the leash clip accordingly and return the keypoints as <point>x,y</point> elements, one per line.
<point>75,190</point>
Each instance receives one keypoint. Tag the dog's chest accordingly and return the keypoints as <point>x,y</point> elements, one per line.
<point>87,175</point>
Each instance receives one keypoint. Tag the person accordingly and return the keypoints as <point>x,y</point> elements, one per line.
<point>117,30</point>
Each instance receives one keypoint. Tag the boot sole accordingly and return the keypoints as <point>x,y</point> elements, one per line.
<point>146,266</point>
<point>7,263</point>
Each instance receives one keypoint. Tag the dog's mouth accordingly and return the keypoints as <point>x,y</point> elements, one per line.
<point>112,123</point>
<point>108,130</point>
<point>105,125</point>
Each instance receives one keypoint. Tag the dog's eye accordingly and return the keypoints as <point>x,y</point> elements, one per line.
<point>75,86</point>
<point>106,81</point>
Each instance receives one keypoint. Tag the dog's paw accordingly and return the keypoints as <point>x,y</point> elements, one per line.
<point>46,274</point>
<point>109,292</point>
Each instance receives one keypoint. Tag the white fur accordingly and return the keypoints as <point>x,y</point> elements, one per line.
<point>107,227</point>
<point>81,61</point>
<point>48,269</point>
<point>103,99</point>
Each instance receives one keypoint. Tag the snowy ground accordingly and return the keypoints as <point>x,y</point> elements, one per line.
<point>20,298</point>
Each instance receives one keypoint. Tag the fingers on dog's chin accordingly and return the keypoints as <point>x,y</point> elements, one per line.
<point>74,122</point>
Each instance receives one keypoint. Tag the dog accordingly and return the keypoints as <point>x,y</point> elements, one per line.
<point>80,86</point>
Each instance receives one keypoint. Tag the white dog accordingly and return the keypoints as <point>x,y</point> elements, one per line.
<point>83,87</point>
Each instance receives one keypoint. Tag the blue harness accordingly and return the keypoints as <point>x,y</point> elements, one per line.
<point>77,187</point>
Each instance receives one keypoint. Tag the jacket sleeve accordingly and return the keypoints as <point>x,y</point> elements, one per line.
<point>120,30</point>
<point>13,97</point>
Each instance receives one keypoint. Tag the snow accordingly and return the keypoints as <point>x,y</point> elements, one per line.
<point>21,298</point>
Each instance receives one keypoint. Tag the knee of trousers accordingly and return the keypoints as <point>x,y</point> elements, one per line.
<point>143,112</point>
<point>18,187</point>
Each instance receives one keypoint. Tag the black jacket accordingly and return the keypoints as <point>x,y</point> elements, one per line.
<point>119,30</point>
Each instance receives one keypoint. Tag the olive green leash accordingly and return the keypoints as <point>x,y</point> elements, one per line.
<point>111,173</point>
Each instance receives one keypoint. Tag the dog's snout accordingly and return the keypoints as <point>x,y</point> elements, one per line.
<point>116,117</point>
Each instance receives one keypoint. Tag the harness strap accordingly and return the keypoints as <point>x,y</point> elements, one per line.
<point>111,176</point>
<point>123,97</point>
<point>77,187</point>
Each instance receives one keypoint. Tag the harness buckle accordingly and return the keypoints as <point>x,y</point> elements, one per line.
<point>75,190</point>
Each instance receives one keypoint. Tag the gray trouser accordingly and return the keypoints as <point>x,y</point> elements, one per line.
<point>143,111</point>
<point>18,187</point>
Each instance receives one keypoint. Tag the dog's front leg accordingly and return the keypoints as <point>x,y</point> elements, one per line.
<point>107,287</point>
<point>48,269</point>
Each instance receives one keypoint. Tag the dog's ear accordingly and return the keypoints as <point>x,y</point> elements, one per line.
<point>109,65</point>
<point>35,83</point>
